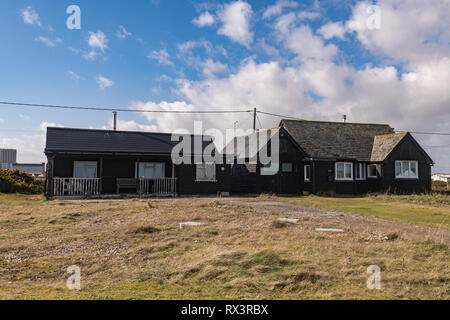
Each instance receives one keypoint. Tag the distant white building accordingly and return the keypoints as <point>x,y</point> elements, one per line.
<point>8,160</point>
<point>444,177</point>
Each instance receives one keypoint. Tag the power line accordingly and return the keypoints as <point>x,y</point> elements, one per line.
<point>178,112</point>
<point>121,110</point>
<point>278,115</point>
<point>432,133</point>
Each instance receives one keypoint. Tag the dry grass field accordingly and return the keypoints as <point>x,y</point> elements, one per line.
<point>128,249</point>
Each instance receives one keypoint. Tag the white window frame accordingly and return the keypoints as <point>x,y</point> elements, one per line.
<point>204,166</point>
<point>148,163</point>
<point>307,169</point>
<point>361,171</point>
<point>345,165</point>
<point>86,164</point>
<point>368,171</point>
<point>409,169</point>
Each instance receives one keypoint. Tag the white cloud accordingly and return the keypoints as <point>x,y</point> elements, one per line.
<point>277,8</point>
<point>205,19</point>
<point>48,42</point>
<point>211,67</point>
<point>98,40</point>
<point>73,75</point>
<point>2,120</point>
<point>91,55</point>
<point>104,82</point>
<point>333,29</point>
<point>166,122</point>
<point>122,33</point>
<point>30,16</point>
<point>410,31</point>
<point>306,45</point>
<point>24,117</point>
<point>308,15</point>
<point>162,56</point>
<point>235,18</point>
<point>30,147</point>
<point>129,125</point>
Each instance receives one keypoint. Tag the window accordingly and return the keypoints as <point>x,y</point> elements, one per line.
<point>206,172</point>
<point>372,171</point>
<point>361,171</point>
<point>406,169</point>
<point>150,170</point>
<point>286,167</point>
<point>85,169</point>
<point>344,170</point>
<point>307,170</point>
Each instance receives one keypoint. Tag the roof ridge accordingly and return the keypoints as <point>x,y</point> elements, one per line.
<point>260,130</point>
<point>118,131</point>
<point>391,134</point>
<point>337,122</point>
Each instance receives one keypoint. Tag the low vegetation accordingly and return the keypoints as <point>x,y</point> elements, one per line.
<point>127,250</point>
<point>427,209</point>
<point>14,181</point>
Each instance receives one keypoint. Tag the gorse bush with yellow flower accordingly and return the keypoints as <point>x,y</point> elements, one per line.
<point>15,181</point>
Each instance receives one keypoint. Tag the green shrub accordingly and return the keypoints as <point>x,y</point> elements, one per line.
<point>14,181</point>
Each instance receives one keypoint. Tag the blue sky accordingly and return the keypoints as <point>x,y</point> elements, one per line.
<point>308,59</point>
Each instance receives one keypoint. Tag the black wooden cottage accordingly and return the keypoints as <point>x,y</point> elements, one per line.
<point>96,163</point>
<point>335,157</point>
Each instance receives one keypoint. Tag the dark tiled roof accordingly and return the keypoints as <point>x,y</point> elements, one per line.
<point>320,139</point>
<point>384,144</point>
<point>108,141</point>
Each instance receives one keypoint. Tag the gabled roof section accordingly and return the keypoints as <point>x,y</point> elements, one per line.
<point>108,141</point>
<point>384,144</point>
<point>248,146</point>
<point>336,140</point>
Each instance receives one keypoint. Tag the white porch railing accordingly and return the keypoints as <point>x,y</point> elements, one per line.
<point>163,186</point>
<point>76,186</point>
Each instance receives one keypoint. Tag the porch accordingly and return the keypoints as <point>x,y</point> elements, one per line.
<point>92,187</point>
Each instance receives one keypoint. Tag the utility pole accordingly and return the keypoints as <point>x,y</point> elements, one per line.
<point>115,120</point>
<point>254,119</point>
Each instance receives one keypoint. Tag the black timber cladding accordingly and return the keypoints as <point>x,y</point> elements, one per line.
<point>107,141</point>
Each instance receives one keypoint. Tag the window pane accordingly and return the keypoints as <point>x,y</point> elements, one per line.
<point>200,171</point>
<point>398,169</point>
<point>91,172</point>
<point>287,167</point>
<point>340,170</point>
<point>405,169</point>
<point>85,169</point>
<point>79,170</point>
<point>211,171</point>
<point>348,171</point>
<point>159,170</point>
<point>413,167</point>
<point>372,171</point>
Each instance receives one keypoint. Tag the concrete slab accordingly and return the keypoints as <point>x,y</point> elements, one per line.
<point>288,220</point>
<point>329,230</point>
<point>191,224</point>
